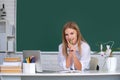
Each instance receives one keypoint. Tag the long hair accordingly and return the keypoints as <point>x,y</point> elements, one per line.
<point>74,26</point>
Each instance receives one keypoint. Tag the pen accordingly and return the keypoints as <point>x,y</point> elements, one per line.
<point>28,59</point>
<point>32,59</point>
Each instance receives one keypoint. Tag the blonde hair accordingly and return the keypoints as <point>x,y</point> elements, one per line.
<point>74,26</point>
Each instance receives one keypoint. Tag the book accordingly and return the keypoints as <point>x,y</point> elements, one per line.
<point>12,63</point>
<point>5,67</point>
<point>12,59</point>
<point>11,71</point>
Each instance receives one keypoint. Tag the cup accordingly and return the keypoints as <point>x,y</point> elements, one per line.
<point>111,64</point>
<point>28,67</point>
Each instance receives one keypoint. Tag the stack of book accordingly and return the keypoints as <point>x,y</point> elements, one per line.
<point>11,65</point>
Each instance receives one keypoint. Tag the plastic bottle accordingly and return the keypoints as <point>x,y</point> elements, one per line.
<point>101,50</point>
<point>108,50</point>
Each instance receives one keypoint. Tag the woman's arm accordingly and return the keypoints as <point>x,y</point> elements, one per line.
<point>77,63</point>
<point>85,56</point>
<point>69,60</point>
<point>62,59</point>
<point>72,52</point>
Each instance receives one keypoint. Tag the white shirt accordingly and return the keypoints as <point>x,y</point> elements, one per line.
<point>84,58</point>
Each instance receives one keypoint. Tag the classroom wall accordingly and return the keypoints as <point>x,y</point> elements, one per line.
<point>10,7</point>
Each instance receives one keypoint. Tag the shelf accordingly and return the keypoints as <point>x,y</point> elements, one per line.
<point>2,20</point>
<point>10,51</point>
<point>7,51</point>
<point>12,36</point>
<point>2,51</point>
<point>7,37</point>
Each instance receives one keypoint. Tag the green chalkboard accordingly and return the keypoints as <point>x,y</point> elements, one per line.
<point>40,22</point>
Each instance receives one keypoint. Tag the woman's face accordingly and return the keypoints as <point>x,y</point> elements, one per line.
<point>71,35</point>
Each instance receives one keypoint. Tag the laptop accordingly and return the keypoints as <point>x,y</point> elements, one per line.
<point>37,55</point>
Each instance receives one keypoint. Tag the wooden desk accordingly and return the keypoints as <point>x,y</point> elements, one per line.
<point>84,75</point>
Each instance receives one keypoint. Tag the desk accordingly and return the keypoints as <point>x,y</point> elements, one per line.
<point>49,62</point>
<point>84,75</point>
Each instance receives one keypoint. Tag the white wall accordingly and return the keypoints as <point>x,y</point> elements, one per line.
<point>10,7</point>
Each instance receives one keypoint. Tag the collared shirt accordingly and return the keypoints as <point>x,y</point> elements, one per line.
<point>83,57</point>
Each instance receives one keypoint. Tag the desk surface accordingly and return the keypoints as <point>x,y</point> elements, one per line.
<point>64,73</point>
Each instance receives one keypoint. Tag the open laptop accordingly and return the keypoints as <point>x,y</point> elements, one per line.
<point>37,54</point>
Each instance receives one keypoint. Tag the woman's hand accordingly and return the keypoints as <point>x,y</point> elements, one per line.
<point>72,56</point>
<point>71,47</point>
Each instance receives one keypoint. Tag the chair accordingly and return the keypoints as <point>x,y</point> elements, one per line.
<point>94,64</point>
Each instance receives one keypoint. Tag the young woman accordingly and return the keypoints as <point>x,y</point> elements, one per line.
<point>74,51</point>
